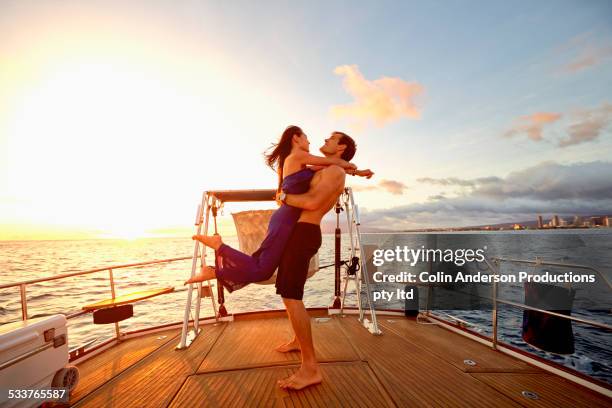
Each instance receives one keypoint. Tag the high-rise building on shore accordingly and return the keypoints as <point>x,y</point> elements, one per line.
<point>555,221</point>
<point>578,221</point>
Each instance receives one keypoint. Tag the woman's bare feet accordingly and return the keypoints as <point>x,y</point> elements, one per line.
<point>207,273</point>
<point>303,378</point>
<point>212,241</point>
<point>293,345</point>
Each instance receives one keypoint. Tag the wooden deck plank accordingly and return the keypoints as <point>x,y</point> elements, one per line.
<point>455,348</point>
<point>552,390</point>
<point>156,378</point>
<point>344,384</point>
<point>251,343</point>
<point>102,368</point>
<point>417,378</point>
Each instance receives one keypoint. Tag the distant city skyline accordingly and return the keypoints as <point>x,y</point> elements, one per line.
<point>537,224</point>
<point>115,116</point>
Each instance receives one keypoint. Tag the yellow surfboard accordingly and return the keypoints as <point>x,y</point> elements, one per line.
<point>128,298</point>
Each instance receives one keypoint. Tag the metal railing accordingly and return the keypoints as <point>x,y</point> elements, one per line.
<point>23,284</point>
<point>493,266</point>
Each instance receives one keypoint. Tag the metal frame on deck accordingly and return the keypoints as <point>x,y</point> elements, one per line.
<point>361,274</point>
<point>212,201</point>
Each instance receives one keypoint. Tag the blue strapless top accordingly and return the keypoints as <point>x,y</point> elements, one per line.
<point>298,182</point>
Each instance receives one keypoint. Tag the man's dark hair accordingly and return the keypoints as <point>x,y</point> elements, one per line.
<point>351,146</point>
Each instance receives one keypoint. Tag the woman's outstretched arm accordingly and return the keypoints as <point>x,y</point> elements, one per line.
<point>305,158</point>
<point>367,173</point>
<point>316,168</point>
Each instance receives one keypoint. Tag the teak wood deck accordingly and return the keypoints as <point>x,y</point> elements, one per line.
<point>234,364</point>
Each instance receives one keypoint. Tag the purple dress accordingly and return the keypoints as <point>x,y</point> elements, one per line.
<point>237,269</point>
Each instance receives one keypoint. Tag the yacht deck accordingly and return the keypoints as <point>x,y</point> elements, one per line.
<point>234,364</point>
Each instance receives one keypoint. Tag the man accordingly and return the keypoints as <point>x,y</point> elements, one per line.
<point>325,188</point>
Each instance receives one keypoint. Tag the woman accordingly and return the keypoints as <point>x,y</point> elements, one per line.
<point>292,159</point>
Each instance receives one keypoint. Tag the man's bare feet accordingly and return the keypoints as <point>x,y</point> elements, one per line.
<point>293,345</point>
<point>207,273</point>
<point>303,378</point>
<point>213,241</point>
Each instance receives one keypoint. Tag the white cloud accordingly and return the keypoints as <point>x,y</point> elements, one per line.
<point>588,126</point>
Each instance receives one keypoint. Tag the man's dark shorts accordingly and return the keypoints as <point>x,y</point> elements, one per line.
<point>303,244</point>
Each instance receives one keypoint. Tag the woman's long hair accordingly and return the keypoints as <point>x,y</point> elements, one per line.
<point>278,152</point>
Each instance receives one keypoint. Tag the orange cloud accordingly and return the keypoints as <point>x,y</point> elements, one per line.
<point>393,186</point>
<point>533,125</point>
<point>390,186</point>
<point>380,101</point>
<point>581,126</point>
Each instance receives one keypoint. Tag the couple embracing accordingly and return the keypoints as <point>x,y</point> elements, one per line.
<point>308,188</point>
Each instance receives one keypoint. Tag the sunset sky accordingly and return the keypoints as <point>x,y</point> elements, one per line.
<point>115,115</point>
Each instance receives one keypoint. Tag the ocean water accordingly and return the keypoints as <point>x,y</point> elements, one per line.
<point>22,260</point>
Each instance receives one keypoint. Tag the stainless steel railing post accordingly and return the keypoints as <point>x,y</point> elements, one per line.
<point>494,317</point>
<point>112,283</point>
<point>24,302</point>
<point>494,299</point>
<point>429,288</point>
<point>112,287</point>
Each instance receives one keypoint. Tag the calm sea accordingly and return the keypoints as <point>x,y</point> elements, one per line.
<point>22,260</point>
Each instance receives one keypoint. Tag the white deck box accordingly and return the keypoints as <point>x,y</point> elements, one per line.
<point>32,352</point>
